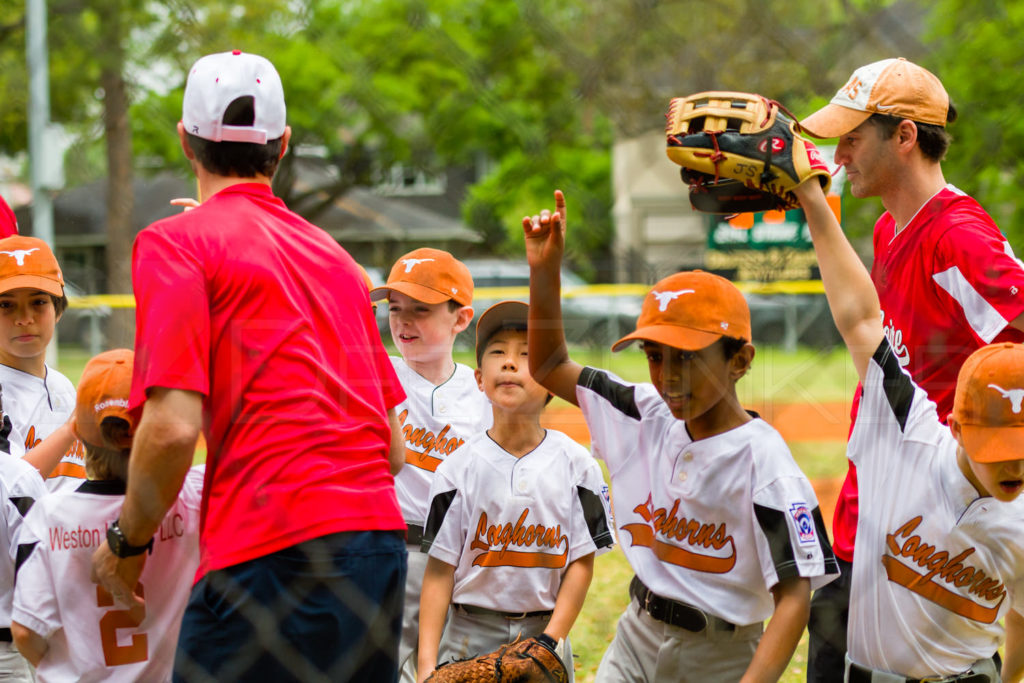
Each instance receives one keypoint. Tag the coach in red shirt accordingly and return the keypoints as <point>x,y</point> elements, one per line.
<point>947,278</point>
<point>255,326</point>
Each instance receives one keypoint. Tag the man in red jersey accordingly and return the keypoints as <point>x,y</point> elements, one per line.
<point>255,326</point>
<point>948,281</point>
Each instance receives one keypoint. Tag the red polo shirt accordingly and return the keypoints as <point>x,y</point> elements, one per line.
<point>268,318</point>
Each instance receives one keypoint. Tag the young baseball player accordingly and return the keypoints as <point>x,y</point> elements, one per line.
<point>430,296</point>
<point>38,399</point>
<point>939,560</point>
<point>20,487</point>
<point>516,516</point>
<point>66,625</point>
<point>720,526</point>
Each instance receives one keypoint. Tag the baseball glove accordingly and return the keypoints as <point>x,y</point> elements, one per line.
<point>740,152</point>
<point>524,661</point>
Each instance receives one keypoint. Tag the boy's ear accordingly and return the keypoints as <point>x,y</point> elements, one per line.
<point>462,318</point>
<point>479,379</point>
<point>740,363</point>
<point>957,429</point>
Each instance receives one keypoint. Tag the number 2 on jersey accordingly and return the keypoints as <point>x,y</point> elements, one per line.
<point>114,654</point>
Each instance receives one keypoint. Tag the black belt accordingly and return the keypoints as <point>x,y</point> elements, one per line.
<point>860,674</point>
<point>5,635</point>
<point>413,534</point>
<point>473,609</point>
<point>675,613</point>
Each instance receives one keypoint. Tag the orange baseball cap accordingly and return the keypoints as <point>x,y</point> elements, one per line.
<point>691,310</point>
<point>989,403</point>
<point>500,316</point>
<point>28,262</point>
<point>103,392</point>
<point>429,275</point>
<point>892,86</point>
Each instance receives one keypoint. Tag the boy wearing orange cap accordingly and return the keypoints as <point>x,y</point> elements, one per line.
<point>430,297</point>
<point>37,398</point>
<point>63,623</point>
<point>939,561</point>
<point>720,526</point>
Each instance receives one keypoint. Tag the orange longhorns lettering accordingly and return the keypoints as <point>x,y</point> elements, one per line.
<point>662,522</point>
<point>950,570</point>
<point>30,439</point>
<point>424,442</point>
<point>519,535</point>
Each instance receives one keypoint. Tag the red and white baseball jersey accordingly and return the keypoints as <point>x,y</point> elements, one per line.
<point>937,565</point>
<point>715,523</point>
<point>21,486</point>
<point>89,637</point>
<point>265,315</point>
<point>37,407</point>
<point>949,283</point>
<point>435,421</point>
<point>512,525</point>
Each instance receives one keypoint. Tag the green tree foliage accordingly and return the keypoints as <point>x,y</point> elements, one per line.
<point>977,51</point>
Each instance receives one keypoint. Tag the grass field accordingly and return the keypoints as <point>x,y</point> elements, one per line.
<point>807,377</point>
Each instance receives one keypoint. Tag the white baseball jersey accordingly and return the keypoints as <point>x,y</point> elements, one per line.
<point>21,486</point>
<point>435,421</point>
<point>511,526</point>
<point>91,638</point>
<point>714,523</point>
<point>37,407</point>
<point>937,565</point>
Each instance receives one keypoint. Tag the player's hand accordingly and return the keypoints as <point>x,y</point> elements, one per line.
<point>545,235</point>
<point>188,202</point>
<point>118,575</point>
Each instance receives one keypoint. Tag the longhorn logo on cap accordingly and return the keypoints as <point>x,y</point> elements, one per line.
<point>20,254</point>
<point>1016,396</point>
<point>665,298</point>
<point>411,263</point>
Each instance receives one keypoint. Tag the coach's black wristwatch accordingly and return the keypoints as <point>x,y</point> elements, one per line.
<point>119,544</point>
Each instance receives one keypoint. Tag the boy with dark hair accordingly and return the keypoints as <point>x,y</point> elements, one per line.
<point>255,326</point>
<point>37,398</point>
<point>68,628</point>
<point>720,526</point>
<point>517,515</point>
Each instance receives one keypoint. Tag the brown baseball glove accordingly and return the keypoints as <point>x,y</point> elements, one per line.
<point>524,661</point>
<point>740,152</point>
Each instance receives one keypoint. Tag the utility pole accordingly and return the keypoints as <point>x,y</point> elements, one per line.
<point>44,155</point>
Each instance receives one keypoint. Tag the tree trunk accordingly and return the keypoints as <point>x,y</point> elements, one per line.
<point>120,193</point>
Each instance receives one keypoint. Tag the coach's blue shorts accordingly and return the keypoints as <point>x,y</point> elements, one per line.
<point>328,609</point>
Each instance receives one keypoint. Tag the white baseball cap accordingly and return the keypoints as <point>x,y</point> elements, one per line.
<point>216,81</point>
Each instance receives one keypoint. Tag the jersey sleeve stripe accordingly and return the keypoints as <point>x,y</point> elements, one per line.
<point>776,530</point>
<point>24,552</point>
<point>22,503</point>
<point>593,512</point>
<point>982,316</point>
<point>898,387</point>
<point>620,396</point>
<point>435,516</point>
<point>831,565</point>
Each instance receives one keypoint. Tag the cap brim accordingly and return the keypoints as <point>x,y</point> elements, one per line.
<point>418,292</point>
<point>832,121</point>
<point>685,338</point>
<point>993,444</point>
<point>43,284</point>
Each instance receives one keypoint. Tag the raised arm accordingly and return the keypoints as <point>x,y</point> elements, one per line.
<point>848,287</point>
<point>549,358</point>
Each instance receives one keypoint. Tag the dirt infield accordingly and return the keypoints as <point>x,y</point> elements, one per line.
<point>795,421</point>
